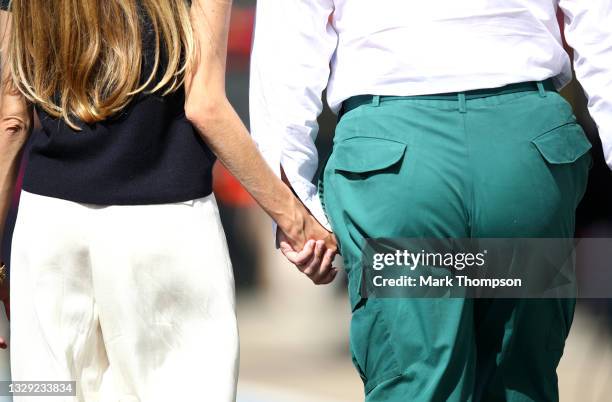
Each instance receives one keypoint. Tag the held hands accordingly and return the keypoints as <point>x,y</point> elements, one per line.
<point>318,249</point>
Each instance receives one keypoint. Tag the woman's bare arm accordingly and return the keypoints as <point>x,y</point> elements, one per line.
<point>15,124</point>
<point>209,110</point>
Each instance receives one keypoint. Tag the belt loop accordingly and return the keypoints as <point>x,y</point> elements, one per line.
<point>376,100</point>
<point>541,90</point>
<point>461,99</point>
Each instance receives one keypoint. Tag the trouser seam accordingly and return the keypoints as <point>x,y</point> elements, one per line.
<point>469,181</point>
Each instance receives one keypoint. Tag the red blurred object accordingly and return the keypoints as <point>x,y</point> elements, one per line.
<point>241,31</point>
<point>228,189</point>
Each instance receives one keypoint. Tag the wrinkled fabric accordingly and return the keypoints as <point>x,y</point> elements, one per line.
<point>147,290</point>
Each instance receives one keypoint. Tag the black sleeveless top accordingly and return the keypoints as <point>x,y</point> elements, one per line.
<point>147,154</point>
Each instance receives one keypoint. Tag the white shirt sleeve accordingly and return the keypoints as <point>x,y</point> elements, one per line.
<point>588,30</point>
<point>290,66</point>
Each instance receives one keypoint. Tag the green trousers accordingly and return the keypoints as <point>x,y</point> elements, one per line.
<point>511,162</point>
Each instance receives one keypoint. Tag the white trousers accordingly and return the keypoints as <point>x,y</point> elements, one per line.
<point>146,289</point>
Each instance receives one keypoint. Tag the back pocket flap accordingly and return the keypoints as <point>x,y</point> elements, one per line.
<point>367,154</point>
<point>564,144</point>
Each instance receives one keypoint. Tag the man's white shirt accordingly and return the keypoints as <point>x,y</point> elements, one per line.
<point>396,47</point>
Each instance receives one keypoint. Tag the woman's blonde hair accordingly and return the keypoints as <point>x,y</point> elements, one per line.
<point>83,58</point>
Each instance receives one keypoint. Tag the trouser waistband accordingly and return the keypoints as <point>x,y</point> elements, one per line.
<point>461,97</point>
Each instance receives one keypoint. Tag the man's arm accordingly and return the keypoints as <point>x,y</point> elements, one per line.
<point>293,46</point>
<point>588,30</point>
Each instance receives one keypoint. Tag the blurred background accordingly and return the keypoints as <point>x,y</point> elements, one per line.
<point>294,335</point>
